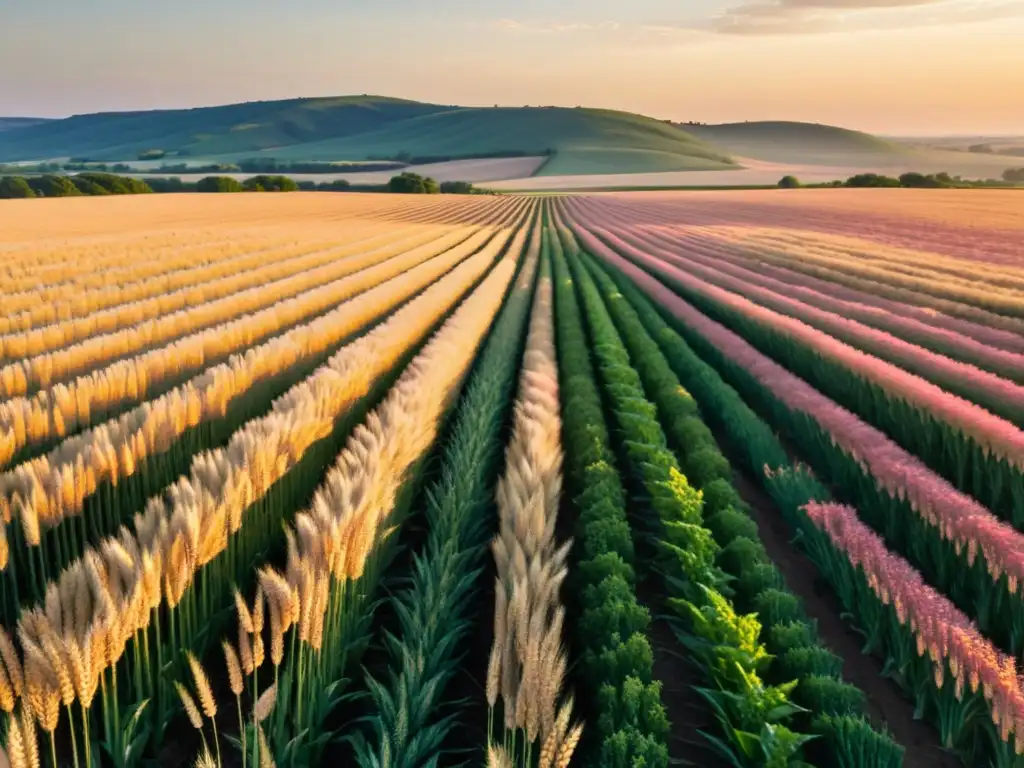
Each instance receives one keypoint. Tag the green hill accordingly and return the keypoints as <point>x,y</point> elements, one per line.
<point>370,127</point>
<point>206,131</point>
<point>11,123</point>
<point>793,142</point>
<point>583,140</point>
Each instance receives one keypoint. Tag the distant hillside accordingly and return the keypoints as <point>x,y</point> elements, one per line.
<point>10,123</point>
<point>584,140</point>
<point>793,142</point>
<point>368,127</point>
<point>206,131</point>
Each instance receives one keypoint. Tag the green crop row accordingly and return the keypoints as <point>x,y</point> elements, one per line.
<point>663,358</point>
<point>627,724</point>
<point>753,715</point>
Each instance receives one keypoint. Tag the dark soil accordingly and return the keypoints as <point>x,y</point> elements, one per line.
<point>886,703</point>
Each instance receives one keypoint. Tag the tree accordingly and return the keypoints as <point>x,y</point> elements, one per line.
<point>929,181</point>
<point>89,187</point>
<point>152,154</point>
<point>12,187</point>
<point>218,184</point>
<point>53,186</point>
<point>981,149</point>
<point>1014,175</point>
<point>338,185</point>
<point>457,188</point>
<point>169,184</point>
<point>789,182</point>
<point>414,184</point>
<point>872,180</point>
<point>307,186</point>
<point>264,183</point>
<point>117,185</point>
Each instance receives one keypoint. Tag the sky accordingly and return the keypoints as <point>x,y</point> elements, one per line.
<point>898,67</point>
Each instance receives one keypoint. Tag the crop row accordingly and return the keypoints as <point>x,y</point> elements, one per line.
<point>210,529</point>
<point>37,421</point>
<point>794,489</point>
<point>707,613</point>
<point>320,604</point>
<point>748,277</point>
<point>156,441</point>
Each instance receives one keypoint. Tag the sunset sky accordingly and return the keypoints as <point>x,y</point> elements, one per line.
<point>888,66</point>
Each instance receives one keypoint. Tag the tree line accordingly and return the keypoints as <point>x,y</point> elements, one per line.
<point>95,184</point>
<point>913,180</point>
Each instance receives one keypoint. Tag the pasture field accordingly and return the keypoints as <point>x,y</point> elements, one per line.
<point>617,480</point>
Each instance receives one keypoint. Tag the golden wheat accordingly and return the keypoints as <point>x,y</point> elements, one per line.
<point>70,311</point>
<point>55,353</point>
<point>171,542</point>
<point>528,663</point>
<point>65,408</point>
<point>47,489</point>
<point>348,517</point>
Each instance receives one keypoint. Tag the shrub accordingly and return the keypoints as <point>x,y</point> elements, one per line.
<point>792,634</point>
<point>729,524</point>
<point>742,554</point>
<point>456,188</point>
<point>707,464</point>
<point>267,183</point>
<point>789,182</point>
<point>218,184</point>
<point>116,185</point>
<point>720,495</point>
<point>921,181</point>
<point>89,187</point>
<point>171,184</point>
<point>805,662</point>
<point>414,184</point>
<point>775,606</point>
<point>338,185</point>
<point>53,186</point>
<point>15,187</point>
<point>872,180</point>
<point>828,696</point>
<point>758,578</point>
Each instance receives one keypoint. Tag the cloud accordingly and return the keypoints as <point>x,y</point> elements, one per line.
<point>772,17</point>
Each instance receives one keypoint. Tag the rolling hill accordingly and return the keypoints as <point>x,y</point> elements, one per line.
<point>11,123</point>
<point>365,127</point>
<point>206,131</point>
<point>583,140</point>
<point>794,142</point>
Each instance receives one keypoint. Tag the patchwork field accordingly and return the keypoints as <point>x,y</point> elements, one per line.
<point>731,478</point>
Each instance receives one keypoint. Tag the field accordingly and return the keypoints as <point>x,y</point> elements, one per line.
<point>640,479</point>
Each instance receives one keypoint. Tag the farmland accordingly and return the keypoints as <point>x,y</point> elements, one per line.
<point>733,478</point>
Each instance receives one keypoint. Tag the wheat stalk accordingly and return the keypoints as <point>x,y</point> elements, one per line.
<point>527,655</point>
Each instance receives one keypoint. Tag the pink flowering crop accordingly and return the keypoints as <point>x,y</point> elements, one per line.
<point>941,630</point>
<point>993,434</point>
<point>728,245</point>
<point>768,292</point>
<point>957,517</point>
<point>732,244</point>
